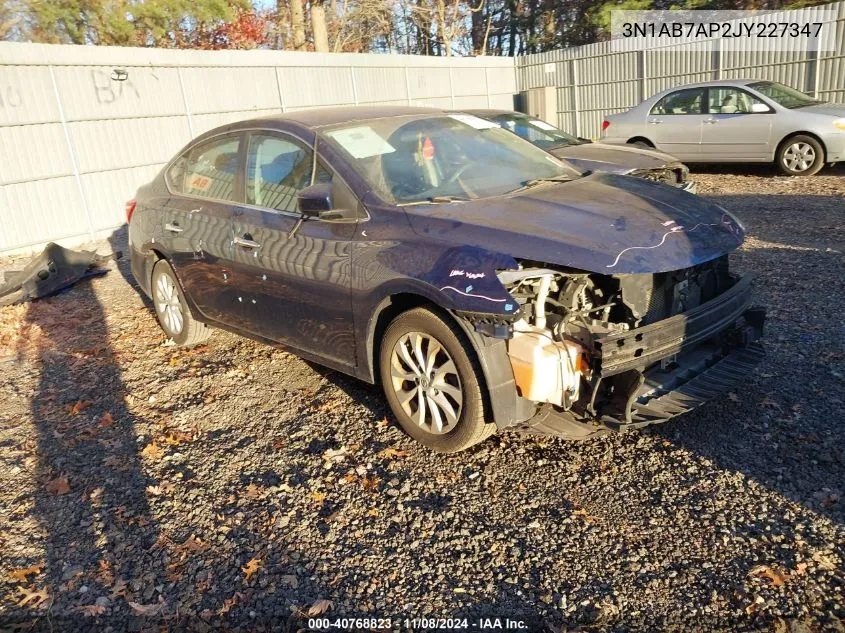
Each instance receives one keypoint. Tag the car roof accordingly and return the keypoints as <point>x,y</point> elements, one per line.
<point>488,112</point>
<point>320,117</point>
<point>715,82</point>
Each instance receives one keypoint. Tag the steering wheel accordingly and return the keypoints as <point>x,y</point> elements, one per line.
<point>458,173</point>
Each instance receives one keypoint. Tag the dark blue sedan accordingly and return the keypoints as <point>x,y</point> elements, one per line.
<point>483,282</point>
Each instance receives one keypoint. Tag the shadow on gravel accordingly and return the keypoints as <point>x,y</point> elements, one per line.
<point>756,169</point>
<point>783,427</point>
<point>119,242</point>
<point>96,525</point>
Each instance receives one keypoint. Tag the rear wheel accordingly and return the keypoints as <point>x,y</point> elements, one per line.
<point>432,382</point>
<point>800,155</point>
<point>641,143</point>
<point>172,311</point>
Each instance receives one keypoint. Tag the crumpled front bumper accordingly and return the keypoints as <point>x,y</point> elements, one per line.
<point>667,368</point>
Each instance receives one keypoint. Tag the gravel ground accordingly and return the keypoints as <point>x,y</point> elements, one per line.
<point>237,487</point>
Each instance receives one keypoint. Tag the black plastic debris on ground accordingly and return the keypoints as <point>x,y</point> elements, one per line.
<point>48,273</point>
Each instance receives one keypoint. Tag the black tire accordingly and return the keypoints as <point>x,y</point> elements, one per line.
<point>792,149</point>
<point>191,332</point>
<point>641,144</point>
<point>470,426</point>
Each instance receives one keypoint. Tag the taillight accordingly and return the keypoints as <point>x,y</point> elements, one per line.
<point>130,209</point>
<point>604,125</point>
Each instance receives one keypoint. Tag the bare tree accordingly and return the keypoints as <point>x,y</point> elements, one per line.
<point>297,23</point>
<point>318,26</point>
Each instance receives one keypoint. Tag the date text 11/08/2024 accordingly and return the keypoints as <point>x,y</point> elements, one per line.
<point>417,624</point>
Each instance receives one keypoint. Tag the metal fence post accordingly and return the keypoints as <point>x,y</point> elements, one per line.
<point>487,85</point>
<point>576,105</point>
<point>279,90</point>
<point>77,175</point>
<point>643,74</point>
<point>185,103</point>
<point>354,85</point>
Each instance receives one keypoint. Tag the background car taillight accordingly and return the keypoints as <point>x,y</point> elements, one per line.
<point>130,209</point>
<point>605,125</point>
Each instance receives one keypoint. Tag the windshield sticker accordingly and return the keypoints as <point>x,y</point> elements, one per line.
<point>543,125</point>
<point>474,121</point>
<point>362,141</point>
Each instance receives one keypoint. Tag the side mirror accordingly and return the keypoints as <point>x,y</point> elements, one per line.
<point>760,108</point>
<point>313,200</point>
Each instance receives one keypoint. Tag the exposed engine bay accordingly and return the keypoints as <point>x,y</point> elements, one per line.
<point>585,342</point>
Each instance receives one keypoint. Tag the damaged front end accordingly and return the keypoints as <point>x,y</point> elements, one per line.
<point>607,352</point>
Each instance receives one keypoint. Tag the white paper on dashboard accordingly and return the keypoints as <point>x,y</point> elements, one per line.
<point>362,141</point>
<point>474,121</point>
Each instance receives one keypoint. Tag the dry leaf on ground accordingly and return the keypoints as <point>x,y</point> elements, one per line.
<point>33,597</point>
<point>393,452</point>
<point>146,609</point>
<point>59,485</point>
<point>91,610</point>
<point>776,576</point>
<point>19,575</point>
<point>319,607</point>
<point>251,568</point>
<point>152,451</point>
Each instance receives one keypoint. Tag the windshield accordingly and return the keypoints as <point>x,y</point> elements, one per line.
<point>535,131</point>
<point>784,95</point>
<point>440,158</point>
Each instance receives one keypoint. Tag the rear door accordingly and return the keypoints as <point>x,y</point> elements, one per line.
<point>732,131</point>
<point>294,272</point>
<point>197,228</point>
<point>675,121</point>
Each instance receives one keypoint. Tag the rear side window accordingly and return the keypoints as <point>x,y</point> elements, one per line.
<point>276,169</point>
<point>208,170</point>
<point>689,101</point>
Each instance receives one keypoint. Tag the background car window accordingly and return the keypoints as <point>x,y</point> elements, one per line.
<point>681,102</point>
<point>277,168</point>
<point>208,170</point>
<point>730,100</point>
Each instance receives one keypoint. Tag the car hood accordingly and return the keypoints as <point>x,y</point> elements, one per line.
<point>833,109</point>
<point>617,159</point>
<point>601,223</point>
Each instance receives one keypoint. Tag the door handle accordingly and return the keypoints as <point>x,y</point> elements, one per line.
<point>655,121</point>
<point>246,243</point>
<point>711,121</point>
<point>173,227</point>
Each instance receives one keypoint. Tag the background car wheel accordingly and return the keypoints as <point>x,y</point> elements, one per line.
<point>641,144</point>
<point>800,156</point>
<point>432,382</point>
<point>172,310</point>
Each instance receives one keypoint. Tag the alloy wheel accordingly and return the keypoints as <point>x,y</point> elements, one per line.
<point>799,157</point>
<point>426,382</point>
<point>168,305</point>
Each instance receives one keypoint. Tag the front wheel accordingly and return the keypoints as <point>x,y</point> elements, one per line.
<point>800,155</point>
<point>432,382</point>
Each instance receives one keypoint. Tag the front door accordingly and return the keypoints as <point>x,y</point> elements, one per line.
<point>732,131</point>
<point>294,272</point>
<point>197,224</point>
<point>674,123</point>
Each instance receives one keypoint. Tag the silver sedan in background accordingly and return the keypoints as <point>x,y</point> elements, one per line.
<point>736,121</point>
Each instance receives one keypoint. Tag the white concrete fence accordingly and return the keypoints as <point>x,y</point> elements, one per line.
<point>75,142</point>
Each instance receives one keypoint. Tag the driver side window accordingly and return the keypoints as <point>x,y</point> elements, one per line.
<point>277,168</point>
